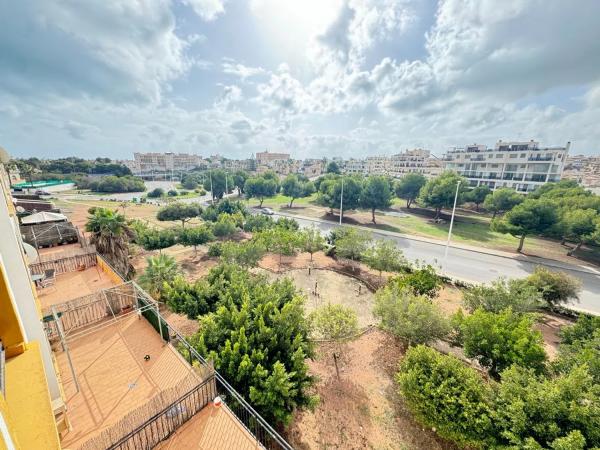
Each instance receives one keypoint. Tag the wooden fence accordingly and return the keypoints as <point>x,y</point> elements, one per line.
<point>65,265</point>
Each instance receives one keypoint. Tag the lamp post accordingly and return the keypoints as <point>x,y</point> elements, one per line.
<point>451,223</point>
<point>342,202</point>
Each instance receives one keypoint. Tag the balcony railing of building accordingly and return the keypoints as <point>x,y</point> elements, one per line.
<point>540,158</point>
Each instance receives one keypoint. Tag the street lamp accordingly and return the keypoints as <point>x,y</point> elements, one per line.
<point>451,223</point>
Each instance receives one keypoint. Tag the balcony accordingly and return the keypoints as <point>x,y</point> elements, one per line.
<point>540,158</point>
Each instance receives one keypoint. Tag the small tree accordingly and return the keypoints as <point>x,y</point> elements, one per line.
<point>153,239</point>
<point>294,188</point>
<point>446,394</point>
<point>352,243</point>
<point>502,200</point>
<point>280,241</point>
<point>530,217</point>
<point>156,193</point>
<point>439,192</point>
<point>409,187</point>
<point>246,254</point>
<point>499,340</point>
<point>161,269</point>
<point>384,255</point>
<point>376,194</point>
<point>179,211</point>
<point>261,188</point>
<point>195,236</point>
<point>258,222</point>
<point>477,195</point>
<point>519,295</point>
<point>224,226</point>
<point>311,241</point>
<point>424,281</point>
<point>413,318</point>
<point>556,288</point>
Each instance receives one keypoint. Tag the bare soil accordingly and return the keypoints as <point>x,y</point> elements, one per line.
<point>361,409</point>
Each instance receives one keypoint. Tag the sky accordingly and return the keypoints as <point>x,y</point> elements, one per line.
<point>314,78</point>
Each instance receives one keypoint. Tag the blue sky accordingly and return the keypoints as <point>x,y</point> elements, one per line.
<point>314,77</point>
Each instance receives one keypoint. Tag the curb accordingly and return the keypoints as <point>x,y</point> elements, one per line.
<point>500,254</point>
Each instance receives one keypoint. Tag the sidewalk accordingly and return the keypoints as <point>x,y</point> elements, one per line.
<point>485,251</point>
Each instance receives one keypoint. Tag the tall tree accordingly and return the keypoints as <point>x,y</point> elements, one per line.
<point>218,179</point>
<point>409,186</point>
<point>111,236</point>
<point>183,212</point>
<point>260,188</point>
<point>502,200</point>
<point>580,226</point>
<point>531,216</point>
<point>295,188</point>
<point>239,180</point>
<point>477,195</point>
<point>439,192</point>
<point>376,194</point>
<point>161,269</point>
<point>330,193</point>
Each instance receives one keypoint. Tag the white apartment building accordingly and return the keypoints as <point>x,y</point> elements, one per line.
<point>145,163</point>
<point>396,166</point>
<point>520,165</point>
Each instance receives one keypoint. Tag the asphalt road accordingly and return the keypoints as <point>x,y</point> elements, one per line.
<point>473,266</point>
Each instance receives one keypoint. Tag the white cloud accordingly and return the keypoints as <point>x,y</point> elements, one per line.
<point>207,9</point>
<point>240,70</point>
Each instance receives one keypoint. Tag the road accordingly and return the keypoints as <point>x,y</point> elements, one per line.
<point>477,267</point>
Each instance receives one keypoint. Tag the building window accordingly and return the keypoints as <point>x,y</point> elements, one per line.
<point>489,156</point>
<point>514,155</point>
<point>522,166</point>
<point>494,166</point>
<point>523,155</point>
<point>499,155</point>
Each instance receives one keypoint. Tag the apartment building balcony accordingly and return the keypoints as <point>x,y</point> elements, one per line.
<point>540,158</point>
<point>536,178</point>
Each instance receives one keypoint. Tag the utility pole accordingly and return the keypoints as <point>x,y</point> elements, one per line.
<point>451,223</point>
<point>342,202</point>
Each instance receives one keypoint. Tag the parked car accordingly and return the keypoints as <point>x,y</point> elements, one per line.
<point>267,211</point>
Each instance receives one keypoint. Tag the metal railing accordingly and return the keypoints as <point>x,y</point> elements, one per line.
<point>2,369</point>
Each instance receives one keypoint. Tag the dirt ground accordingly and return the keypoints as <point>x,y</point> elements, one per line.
<point>331,287</point>
<point>362,409</point>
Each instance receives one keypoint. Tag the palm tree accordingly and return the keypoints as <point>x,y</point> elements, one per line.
<point>111,235</point>
<point>161,269</point>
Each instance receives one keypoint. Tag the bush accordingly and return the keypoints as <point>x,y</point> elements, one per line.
<point>246,254</point>
<point>153,239</point>
<point>384,255</point>
<point>215,249</point>
<point>287,224</point>
<point>411,317</point>
<point>334,321</point>
<point>555,287</point>
<point>224,226</point>
<point>258,222</point>
<point>584,329</point>
<point>445,394</point>
<point>114,184</point>
<point>424,281</point>
<point>519,295</point>
<point>156,193</point>
<point>172,193</point>
<point>499,340</point>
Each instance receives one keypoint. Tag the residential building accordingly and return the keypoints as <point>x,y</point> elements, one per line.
<point>520,165</point>
<point>410,161</point>
<point>312,168</point>
<point>267,158</point>
<point>355,167</point>
<point>146,163</point>
<point>584,169</point>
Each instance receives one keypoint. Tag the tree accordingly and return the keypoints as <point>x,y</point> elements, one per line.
<point>478,195</point>
<point>195,236</point>
<point>245,254</point>
<point>423,281</point>
<point>519,295</point>
<point>409,186</point>
<point>179,211</point>
<point>294,188</point>
<point>413,318</point>
<point>260,188</point>
<point>259,342</point>
<point>439,192</point>
<point>580,226</point>
<point>156,193</point>
<point>352,243</point>
<point>330,193</point>
<point>531,216</point>
<point>311,241</point>
<point>154,239</point>
<point>189,183</point>
<point>279,240</point>
<point>239,179</point>
<point>111,236</point>
<point>224,226</point>
<point>258,222</point>
<point>444,393</point>
<point>161,269</point>
<point>384,255</point>
<point>215,181</point>
<point>555,287</point>
<point>333,167</point>
<point>376,193</point>
<point>535,412</point>
<point>334,322</point>
<point>502,200</point>
<point>498,340</point>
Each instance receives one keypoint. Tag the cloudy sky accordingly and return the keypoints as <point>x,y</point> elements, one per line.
<point>312,77</point>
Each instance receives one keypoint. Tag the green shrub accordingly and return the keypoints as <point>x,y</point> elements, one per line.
<point>423,281</point>
<point>224,226</point>
<point>172,193</point>
<point>215,249</point>
<point>556,288</point>
<point>155,193</point>
<point>501,294</point>
<point>258,222</point>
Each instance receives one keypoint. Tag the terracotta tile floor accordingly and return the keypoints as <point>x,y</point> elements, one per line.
<point>212,428</point>
<point>72,285</point>
<point>113,376</point>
